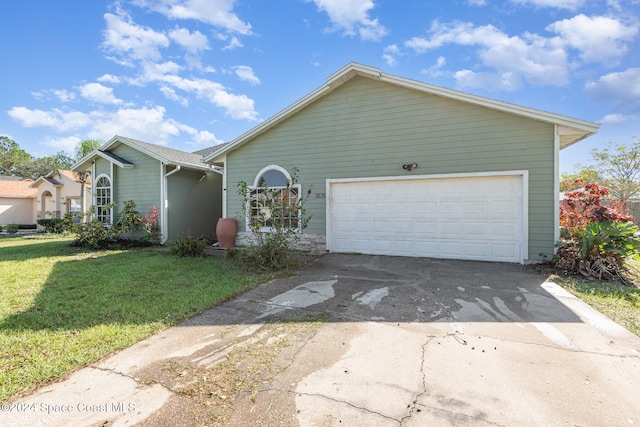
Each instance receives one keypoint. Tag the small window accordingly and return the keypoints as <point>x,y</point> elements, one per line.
<point>274,202</point>
<point>75,209</point>
<point>103,200</point>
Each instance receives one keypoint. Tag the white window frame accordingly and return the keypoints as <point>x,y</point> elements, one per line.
<point>254,194</point>
<point>99,200</point>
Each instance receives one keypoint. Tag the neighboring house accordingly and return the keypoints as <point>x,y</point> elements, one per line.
<point>17,201</point>
<point>186,191</point>
<point>59,193</point>
<point>401,167</point>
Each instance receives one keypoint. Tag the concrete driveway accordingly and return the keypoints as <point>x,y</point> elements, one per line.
<point>355,340</point>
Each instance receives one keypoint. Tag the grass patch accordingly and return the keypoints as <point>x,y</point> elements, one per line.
<point>63,307</point>
<point>619,302</point>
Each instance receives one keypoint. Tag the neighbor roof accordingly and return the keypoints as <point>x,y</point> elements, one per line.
<point>571,130</point>
<point>51,178</point>
<point>17,189</point>
<point>169,156</point>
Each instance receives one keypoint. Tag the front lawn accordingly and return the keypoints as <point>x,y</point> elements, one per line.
<point>62,307</point>
<point>621,303</point>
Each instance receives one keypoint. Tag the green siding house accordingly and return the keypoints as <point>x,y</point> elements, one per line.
<point>401,167</point>
<point>186,191</point>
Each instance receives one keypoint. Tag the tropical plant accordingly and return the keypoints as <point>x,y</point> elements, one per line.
<point>188,246</point>
<point>597,234</point>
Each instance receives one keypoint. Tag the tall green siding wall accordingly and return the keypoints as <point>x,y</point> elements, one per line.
<point>194,203</point>
<point>140,183</point>
<point>369,128</point>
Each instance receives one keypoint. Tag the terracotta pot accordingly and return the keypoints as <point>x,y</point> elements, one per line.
<point>226,232</point>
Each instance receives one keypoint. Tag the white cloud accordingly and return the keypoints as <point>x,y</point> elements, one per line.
<point>538,60</point>
<point>234,43</point>
<point>598,39</point>
<point>61,95</point>
<point>193,43</point>
<point>477,2</point>
<point>351,17</point>
<point>508,81</point>
<point>390,55</point>
<point>559,4</point>
<point>97,92</point>
<point>146,123</point>
<point>67,144</point>
<point>109,78</point>
<point>435,70</point>
<point>59,120</point>
<point>132,42</point>
<point>236,106</point>
<point>245,73</point>
<point>614,119</point>
<point>205,138</point>
<point>171,94</point>
<point>623,88</point>
<point>218,13</point>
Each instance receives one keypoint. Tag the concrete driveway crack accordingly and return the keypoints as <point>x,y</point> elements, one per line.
<point>349,404</point>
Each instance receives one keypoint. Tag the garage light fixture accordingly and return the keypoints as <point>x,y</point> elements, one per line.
<point>409,166</point>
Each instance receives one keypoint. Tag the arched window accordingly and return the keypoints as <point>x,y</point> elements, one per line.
<point>104,208</point>
<point>274,200</point>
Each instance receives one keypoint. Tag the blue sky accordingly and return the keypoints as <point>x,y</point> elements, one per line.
<point>193,73</point>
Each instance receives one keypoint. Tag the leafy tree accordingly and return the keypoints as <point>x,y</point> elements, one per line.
<point>12,157</point>
<point>44,165</point>
<point>619,167</point>
<point>575,180</point>
<point>85,147</point>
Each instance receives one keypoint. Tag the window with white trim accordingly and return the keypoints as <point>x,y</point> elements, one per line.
<point>104,208</point>
<point>274,202</point>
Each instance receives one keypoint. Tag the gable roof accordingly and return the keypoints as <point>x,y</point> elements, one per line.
<point>52,178</point>
<point>17,188</point>
<point>571,130</point>
<point>166,155</point>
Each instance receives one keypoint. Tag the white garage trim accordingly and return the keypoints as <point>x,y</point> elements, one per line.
<point>523,220</point>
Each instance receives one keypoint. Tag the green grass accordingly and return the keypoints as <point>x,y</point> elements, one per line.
<point>62,308</point>
<point>619,302</point>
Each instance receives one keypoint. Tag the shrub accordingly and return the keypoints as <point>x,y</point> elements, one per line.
<point>597,234</point>
<point>152,226</point>
<point>12,228</point>
<point>53,225</point>
<point>188,247</point>
<point>95,234</point>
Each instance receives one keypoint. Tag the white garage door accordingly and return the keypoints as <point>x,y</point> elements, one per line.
<point>474,218</point>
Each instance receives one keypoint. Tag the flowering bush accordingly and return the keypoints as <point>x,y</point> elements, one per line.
<point>151,225</point>
<point>590,203</point>
<point>597,234</point>
<point>95,234</point>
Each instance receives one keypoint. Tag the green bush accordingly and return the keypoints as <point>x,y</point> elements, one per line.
<point>189,247</point>
<point>12,228</point>
<point>95,234</point>
<point>53,225</point>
